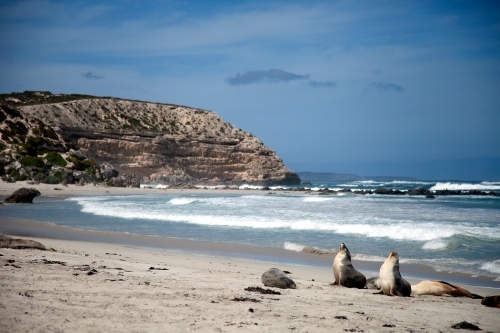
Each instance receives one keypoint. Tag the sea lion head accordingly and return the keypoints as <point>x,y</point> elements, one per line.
<point>344,251</point>
<point>393,259</point>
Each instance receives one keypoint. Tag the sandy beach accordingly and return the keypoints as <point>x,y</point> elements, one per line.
<point>202,290</point>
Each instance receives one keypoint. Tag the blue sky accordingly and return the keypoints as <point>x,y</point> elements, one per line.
<point>367,87</point>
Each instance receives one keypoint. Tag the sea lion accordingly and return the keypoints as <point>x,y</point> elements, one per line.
<point>391,282</point>
<point>491,301</point>
<point>373,283</point>
<point>441,288</point>
<point>344,272</point>
<point>276,278</point>
<point>17,243</point>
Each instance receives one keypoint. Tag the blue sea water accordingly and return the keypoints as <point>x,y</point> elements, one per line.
<point>452,233</point>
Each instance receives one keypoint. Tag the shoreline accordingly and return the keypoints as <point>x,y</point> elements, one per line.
<point>47,229</point>
<point>231,251</point>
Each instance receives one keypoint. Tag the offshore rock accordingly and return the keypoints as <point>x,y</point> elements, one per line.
<point>159,143</point>
<point>23,195</point>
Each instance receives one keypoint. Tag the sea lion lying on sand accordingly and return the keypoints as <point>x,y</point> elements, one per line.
<point>391,282</point>
<point>344,272</point>
<point>373,283</point>
<point>441,288</point>
<point>491,301</point>
<point>16,243</point>
<point>276,278</point>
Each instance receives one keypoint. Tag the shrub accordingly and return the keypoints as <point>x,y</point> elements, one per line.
<point>50,180</point>
<point>32,161</point>
<point>56,159</point>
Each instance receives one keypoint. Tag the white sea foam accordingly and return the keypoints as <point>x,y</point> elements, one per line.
<point>435,244</point>
<point>365,257</point>
<point>359,216</point>
<point>250,187</point>
<point>181,201</point>
<point>153,186</point>
<point>293,247</point>
<point>465,186</point>
<point>316,199</point>
<point>492,267</point>
<point>490,183</point>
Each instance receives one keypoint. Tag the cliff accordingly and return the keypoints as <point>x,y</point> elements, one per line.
<point>161,143</point>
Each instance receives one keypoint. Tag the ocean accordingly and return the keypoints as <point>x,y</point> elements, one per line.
<point>458,234</point>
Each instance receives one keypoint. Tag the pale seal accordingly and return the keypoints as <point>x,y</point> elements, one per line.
<point>373,283</point>
<point>440,288</point>
<point>344,272</point>
<point>276,278</point>
<point>391,282</point>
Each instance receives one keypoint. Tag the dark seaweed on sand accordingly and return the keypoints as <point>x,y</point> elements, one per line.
<point>245,299</point>
<point>263,291</point>
<point>466,326</point>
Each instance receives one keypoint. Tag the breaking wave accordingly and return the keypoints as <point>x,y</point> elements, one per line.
<point>484,186</point>
<point>181,201</point>
<point>435,244</point>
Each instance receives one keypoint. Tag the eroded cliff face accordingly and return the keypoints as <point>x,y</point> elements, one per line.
<point>164,143</point>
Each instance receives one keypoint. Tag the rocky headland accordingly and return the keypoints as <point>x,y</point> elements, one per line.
<point>79,138</point>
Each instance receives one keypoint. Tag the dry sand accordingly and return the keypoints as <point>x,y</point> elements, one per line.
<point>43,291</point>
<point>52,291</point>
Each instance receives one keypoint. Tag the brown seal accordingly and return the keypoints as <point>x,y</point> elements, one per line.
<point>491,301</point>
<point>441,288</point>
<point>344,272</point>
<point>391,282</point>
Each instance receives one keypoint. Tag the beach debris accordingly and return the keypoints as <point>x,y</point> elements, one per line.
<point>19,244</point>
<point>45,261</point>
<point>246,299</point>
<point>388,325</point>
<point>23,195</point>
<point>92,272</point>
<point>26,294</point>
<point>340,317</point>
<point>263,291</point>
<point>146,283</point>
<point>10,261</point>
<point>158,269</point>
<point>466,326</point>
<point>213,302</point>
<point>112,254</point>
<point>251,310</point>
<point>491,301</point>
<point>113,280</point>
<point>287,272</point>
<point>13,265</point>
<point>276,278</point>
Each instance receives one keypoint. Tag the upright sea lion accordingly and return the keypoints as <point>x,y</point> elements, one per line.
<point>391,282</point>
<point>440,288</point>
<point>276,278</point>
<point>344,272</point>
